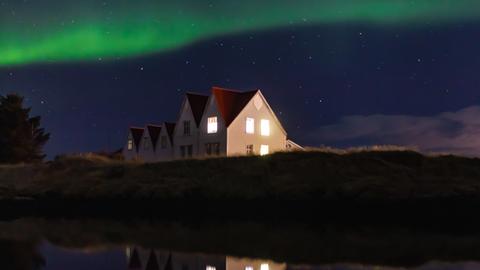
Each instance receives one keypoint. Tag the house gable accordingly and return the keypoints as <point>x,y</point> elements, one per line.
<point>137,134</point>
<point>231,102</point>
<point>256,109</point>
<point>154,134</point>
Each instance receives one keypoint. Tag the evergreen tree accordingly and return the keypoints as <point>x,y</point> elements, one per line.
<point>21,138</point>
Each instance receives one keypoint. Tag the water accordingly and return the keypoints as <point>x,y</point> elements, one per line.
<point>102,244</point>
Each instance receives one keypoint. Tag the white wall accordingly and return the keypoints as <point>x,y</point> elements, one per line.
<point>180,139</point>
<point>211,110</point>
<point>164,154</point>
<point>130,154</point>
<point>146,153</point>
<point>238,139</point>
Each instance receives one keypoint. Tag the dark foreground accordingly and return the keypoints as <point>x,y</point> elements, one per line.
<point>391,183</point>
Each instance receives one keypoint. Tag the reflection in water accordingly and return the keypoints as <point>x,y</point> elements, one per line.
<point>148,259</point>
<point>19,255</point>
<point>143,259</point>
<point>97,244</point>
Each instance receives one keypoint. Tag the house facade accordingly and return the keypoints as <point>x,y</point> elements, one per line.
<point>225,123</point>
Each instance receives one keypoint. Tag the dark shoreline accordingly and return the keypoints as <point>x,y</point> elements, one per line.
<point>393,185</point>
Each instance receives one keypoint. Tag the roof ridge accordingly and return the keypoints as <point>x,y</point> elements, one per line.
<point>196,93</point>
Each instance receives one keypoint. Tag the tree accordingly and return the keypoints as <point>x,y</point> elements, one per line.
<point>21,138</point>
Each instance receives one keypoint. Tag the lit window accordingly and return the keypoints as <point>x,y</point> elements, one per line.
<point>249,268</point>
<point>264,150</point>
<point>250,125</point>
<point>212,125</point>
<point>265,127</point>
<point>209,267</point>
<point>130,145</point>
<point>264,266</point>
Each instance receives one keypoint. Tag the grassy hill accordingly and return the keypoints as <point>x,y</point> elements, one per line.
<point>307,178</point>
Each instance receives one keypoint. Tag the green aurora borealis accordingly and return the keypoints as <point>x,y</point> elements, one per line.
<point>59,31</point>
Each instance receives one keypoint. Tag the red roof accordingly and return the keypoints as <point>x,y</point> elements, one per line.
<point>154,132</point>
<point>231,102</point>
<point>170,128</point>
<point>137,134</point>
<point>197,104</point>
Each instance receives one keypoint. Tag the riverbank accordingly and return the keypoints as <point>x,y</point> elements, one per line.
<point>297,180</point>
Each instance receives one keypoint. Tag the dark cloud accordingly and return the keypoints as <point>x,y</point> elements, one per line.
<point>452,132</point>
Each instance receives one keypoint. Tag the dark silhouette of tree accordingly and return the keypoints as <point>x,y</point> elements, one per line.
<point>21,138</point>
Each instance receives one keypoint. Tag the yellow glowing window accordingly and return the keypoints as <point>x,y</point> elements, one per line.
<point>250,125</point>
<point>130,144</point>
<point>264,150</point>
<point>265,267</point>
<point>265,127</point>
<point>249,268</point>
<point>209,267</point>
<point>212,125</point>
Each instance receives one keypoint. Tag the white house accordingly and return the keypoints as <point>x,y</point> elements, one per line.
<point>131,151</point>
<point>240,123</point>
<point>187,131</point>
<point>226,123</point>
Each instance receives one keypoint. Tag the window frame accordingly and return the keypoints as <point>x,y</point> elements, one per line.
<point>130,144</point>
<point>252,126</point>
<point>264,149</point>
<point>187,128</point>
<point>265,129</point>
<point>212,127</point>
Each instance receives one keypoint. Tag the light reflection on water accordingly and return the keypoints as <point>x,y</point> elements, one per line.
<point>138,258</point>
<point>74,244</point>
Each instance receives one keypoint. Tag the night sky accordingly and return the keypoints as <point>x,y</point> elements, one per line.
<point>337,72</point>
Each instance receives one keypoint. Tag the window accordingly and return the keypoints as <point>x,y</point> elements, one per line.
<point>186,128</point>
<point>130,144</point>
<point>146,143</point>
<point>189,150</point>
<point>209,267</point>
<point>265,127</point>
<point>163,142</point>
<point>212,125</point>
<point>182,151</point>
<point>250,126</point>
<point>212,149</point>
<point>249,268</point>
<point>250,149</point>
<point>264,150</point>
<point>264,266</point>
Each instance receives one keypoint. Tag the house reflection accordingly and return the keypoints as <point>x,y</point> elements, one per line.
<point>144,259</point>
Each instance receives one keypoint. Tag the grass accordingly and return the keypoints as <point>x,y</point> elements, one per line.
<point>381,174</point>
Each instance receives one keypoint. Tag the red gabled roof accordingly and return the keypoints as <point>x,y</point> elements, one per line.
<point>137,134</point>
<point>231,102</point>
<point>170,129</point>
<point>154,132</point>
<point>197,104</point>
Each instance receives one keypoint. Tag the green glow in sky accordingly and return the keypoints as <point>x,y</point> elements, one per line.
<point>73,30</point>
